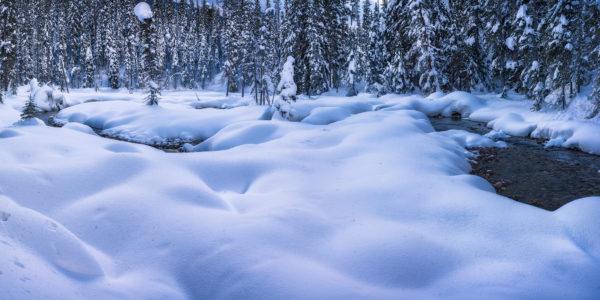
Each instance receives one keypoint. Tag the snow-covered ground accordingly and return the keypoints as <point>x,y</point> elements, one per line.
<point>339,198</point>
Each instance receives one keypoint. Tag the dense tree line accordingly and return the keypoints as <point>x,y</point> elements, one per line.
<point>545,49</point>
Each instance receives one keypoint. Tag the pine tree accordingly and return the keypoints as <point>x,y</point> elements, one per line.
<point>317,69</point>
<point>395,73</point>
<point>287,88</point>
<point>336,35</point>
<point>466,67</point>
<point>497,26</point>
<point>233,43</point>
<point>8,43</point>
<point>89,80</point>
<point>558,46</point>
<point>375,73</point>
<point>30,110</point>
<point>113,63</point>
<point>149,59</point>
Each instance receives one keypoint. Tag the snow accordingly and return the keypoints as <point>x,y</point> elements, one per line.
<point>156,125</point>
<point>510,43</point>
<point>512,124</point>
<point>142,11</point>
<point>354,198</point>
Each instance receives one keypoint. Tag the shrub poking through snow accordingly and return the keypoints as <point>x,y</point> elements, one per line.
<point>30,110</point>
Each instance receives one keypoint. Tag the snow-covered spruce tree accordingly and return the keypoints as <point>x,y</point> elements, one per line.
<point>465,62</point>
<point>337,36</point>
<point>89,80</point>
<point>113,63</point>
<point>149,58</point>
<point>558,46</point>
<point>395,73</point>
<point>363,45</point>
<point>60,49</point>
<point>131,34</point>
<point>424,25</point>
<point>497,23</point>
<point>30,110</point>
<point>594,98</point>
<point>317,67</point>
<point>232,42</point>
<point>523,37</point>
<point>8,43</point>
<point>581,48</point>
<point>296,42</point>
<point>42,43</point>
<point>375,73</point>
<point>273,17</point>
<point>287,88</point>
<point>263,54</point>
<point>351,75</point>
<point>592,21</point>
<point>530,53</point>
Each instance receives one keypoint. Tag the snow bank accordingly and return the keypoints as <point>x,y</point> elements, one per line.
<point>470,140</point>
<point>326,115</point>
<point>437,104</point>
<point>571,134</point>
<point>162,125</point>
<point>326,109</point>
<point>512,124</point>
<point>503,116</point>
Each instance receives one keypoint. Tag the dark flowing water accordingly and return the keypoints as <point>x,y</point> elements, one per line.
<point>528,172</point>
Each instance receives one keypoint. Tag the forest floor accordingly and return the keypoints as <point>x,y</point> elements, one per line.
<point>353,198</point>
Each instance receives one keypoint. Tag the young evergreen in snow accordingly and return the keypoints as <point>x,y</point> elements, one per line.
<point>30,110</point>
<point>287,87</point>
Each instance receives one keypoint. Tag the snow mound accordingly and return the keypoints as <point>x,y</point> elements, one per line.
<point>8,133</point>
<point>571,134</point>
<point>243,133</point>
<point>461,103</point>
<point>497,135</point>
<point>30,122</point>
<point>513,124</point>
<point>327,108</point>
<point>142,11</point>
<point>581,219</point>
<point>49,238</point>
<point>163,125</point>
<point>470,140</point>
<point>326,115</point>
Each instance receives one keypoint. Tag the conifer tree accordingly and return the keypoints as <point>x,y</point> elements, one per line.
<point>395,73</point>
<point>30,110</point>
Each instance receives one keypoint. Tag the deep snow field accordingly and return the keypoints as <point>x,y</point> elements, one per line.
<point>340,198</point>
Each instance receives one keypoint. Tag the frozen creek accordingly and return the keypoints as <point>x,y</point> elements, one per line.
<point>528,172</point>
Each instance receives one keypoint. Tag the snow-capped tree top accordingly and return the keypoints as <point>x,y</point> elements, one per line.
<point>142,11</point>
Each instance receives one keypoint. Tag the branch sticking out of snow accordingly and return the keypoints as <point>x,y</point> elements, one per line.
<point>142,11</point>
